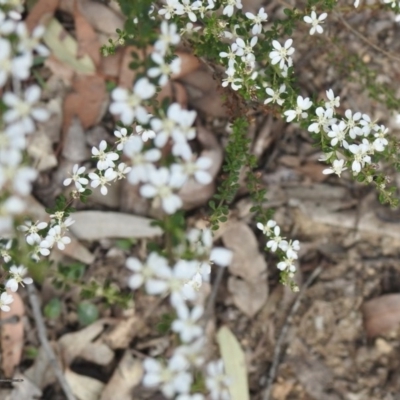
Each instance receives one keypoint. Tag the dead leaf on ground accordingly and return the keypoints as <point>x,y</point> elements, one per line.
<point>127,375</point>
<point>75,149</point>
<point>87,38</point>
<point>313,170</point>
<point>65,48</point>
<point>381,314</point>
<point>83,387</point>
<point>25,390</point>
<point>121,335</point>
<point>12,336</point>
<point>101,17</point>
<point>83,344</point>
<point>189,63</point>
<point>40,13</point>
<point>234,363</point>
<point>248,297</point>
<point>248,262</point>
<point>281,390</point>
<point>94,225</point>
<point>88,101</point>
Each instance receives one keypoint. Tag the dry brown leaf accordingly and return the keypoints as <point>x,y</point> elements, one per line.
<point>249,297</point>
<point>175,91</point>
<point>313,170</point>
<point>127,375</point>
<point>88,101</point>
<point>40,13</point>
<point>12,336</point>
<point>41,372</point>
<point>248,262</point>
<point>87,38</point>
<point>25,390</point>
<point>83,387</point>
<point>82,344</point>
<point>127,75</point>
<point>124,332</point>
<point>75,149</point>
<point>381,314</point>
<point>60,69</point>
<point>101,17</point>
<point>94,225</point>
<point>281,390</point>
<point>110,65</point>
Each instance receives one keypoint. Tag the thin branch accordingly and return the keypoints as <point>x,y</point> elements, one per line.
<point>211,300</point>
<point>285,328</point>
<point>365,39</point>
<point>37,315</point>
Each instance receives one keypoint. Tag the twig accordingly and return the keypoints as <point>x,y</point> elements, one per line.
<point>37,315</point>
<point>10,320</point>
<point>213,295</point>
<point>365,39</point>
<point>282,336</point>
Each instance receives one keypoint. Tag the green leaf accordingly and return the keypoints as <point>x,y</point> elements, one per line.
<point>52,309</point>
<point>87,313</point>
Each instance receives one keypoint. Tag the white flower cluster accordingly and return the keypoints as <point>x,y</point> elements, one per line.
<point>276,241</point>
<point>181,282</point>
<point>355,133</point>
<point>17,49</point>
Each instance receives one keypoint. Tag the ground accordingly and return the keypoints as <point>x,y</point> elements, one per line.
<point>337,339</point>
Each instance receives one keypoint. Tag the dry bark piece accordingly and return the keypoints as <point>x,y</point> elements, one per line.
<point>381,314</point>
<point>12,336</point>
<point>127,375</point>
<point>94,225</point>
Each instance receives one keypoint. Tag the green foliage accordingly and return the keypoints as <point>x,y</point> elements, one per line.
<point>52,309</point>
<point>164,325</point>
<point>87,313</point>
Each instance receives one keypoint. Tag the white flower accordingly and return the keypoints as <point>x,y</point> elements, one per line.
<point>230,55</point>
<point>266,229</point>
<point>173,7</point>
<point>128,104</point>
<point>23,112</point>
<point>4,251</point>
<point>325,118</point>
<point>217,382</point>
<point>351,123</point>
<point>31,230</point>
<point>275,95</point>
<point>380,142</point>
<point>55,235</point>
<point>163,70</point>
<point>168,36</point>
<point>187,323</point>
<point>315,22</point>
<point>360,156</point>
<point>202,9</point>
<point>42,247</point>
<point>141,161</point>
<point>333,101</point>
<point>160,186</point>
<point>23,178</point>
<point>367,125</point>
<point>281,54</point>
<point>189,7</point>
<point>144,273</point>
<point>287,264</point>
<point>102,180</point>
<point>245,49</point>
<point>122,135</point>
<point>193,396</point>
<point>29,42</point>
<point>276,240</point>
<point>18,66</point>
<point>291,248</point>
<point>7,26</point>
<point>106,159</point>
<point>189,29</point>
<point>257,20</point>
<point>196,169</point>
<point>17,278</point>
<point>338,135</point>
<point>231,80</point>
<point>193,352</point>
<point>5,300</point>
<point>77,178</point>
<point>302,104</point>
<point>146,134</point>
<point>229,8</point>
<point>337,168</point>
